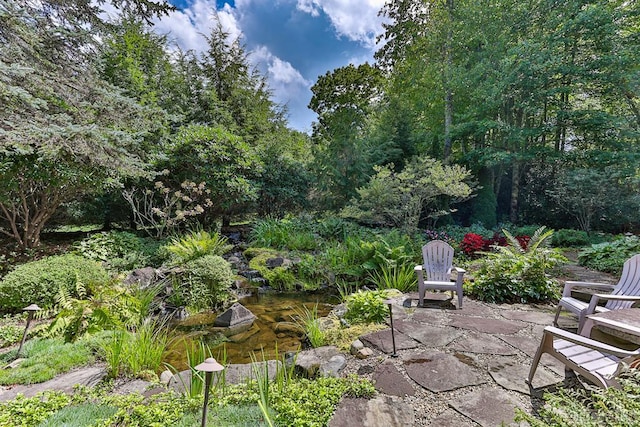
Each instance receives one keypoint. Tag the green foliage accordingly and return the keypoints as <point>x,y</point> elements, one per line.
<point>105,246</point>
<point>82,415</point>
<point>567,237</point>
<point>484,205</point>
<point>302,402</point>
<point>589,408</point>
<point>204,282</point>
<point>46,358</point>
<point>197,244</point>
<point>120,250</point>
<point>281,278</point>
<point>368,306</point>
<point>513,274</point>
<point>39,281</point>
<point>400,277</point>
<point>289,234</point>
<point>143,348</point>
<point>30,411</point>
<point>308,321</point>
<point>11,329</point>
<point>610,256</point>
<point>402,199</point>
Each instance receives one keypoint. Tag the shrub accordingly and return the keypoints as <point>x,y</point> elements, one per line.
<point>590,408</point>
<point>471,244</point>
<point>197,244</point>
<point>610,256</point>
<point>205,282</point>
<point>400,277</point>
<point>367,306</point>
<point>516,274</point>
<point>567,237</point>
<point>107,245</point>
<point>39,281</point>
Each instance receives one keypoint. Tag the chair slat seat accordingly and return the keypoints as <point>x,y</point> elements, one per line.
<point>589,358</point>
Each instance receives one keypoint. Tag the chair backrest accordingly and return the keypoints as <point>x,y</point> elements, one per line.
<point>629,283</point>
<point>437,257</point>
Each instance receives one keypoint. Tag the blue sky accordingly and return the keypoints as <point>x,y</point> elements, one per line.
<point>292,42</point>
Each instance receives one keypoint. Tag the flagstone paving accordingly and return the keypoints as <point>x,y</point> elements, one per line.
<point>460,367</point>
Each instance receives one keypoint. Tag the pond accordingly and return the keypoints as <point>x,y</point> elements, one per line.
<point>273,333</point>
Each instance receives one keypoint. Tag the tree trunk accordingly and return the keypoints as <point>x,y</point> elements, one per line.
<point>448,97</point>
<point>515,191</point>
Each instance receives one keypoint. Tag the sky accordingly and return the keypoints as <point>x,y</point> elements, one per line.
<point>292,42</point>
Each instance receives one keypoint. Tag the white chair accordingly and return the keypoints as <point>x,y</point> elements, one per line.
<point>622,295</point>
<point>437,258</point>
<point>598,362</point>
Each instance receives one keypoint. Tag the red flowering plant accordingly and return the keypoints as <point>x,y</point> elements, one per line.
<point>472,243</point>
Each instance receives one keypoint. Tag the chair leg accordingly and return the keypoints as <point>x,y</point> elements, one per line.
<point>536,359</point>
<point>459,300</point>
<point>421,291</point>
<point>555,320</point>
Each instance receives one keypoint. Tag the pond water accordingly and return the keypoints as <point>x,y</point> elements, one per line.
<point>273,333</point>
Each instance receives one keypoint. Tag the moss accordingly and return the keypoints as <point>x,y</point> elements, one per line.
<point>281,278</point>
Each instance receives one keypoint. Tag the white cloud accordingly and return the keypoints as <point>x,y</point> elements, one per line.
<point>283,78</point>
<point>357,20</point>
<point>189,26</point>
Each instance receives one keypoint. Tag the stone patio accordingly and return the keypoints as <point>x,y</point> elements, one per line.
<point>456,367</point>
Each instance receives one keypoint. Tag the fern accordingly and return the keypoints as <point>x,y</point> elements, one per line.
<point>198,244</point>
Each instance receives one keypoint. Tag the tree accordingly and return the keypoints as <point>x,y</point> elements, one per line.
<point>223,161</point>
<point>343,99</point>
<point>81,134</point>
<point>402,199</point>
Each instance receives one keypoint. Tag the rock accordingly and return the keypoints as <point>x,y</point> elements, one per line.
<point>333,366</point>
<point>236,314</point>
<point>389,380</point>
<point>356,346</point>
<point>381,411</point>
<point>134,386</point>
<point>15,363</point>
<point>274,262</point>
<point>165,377</point>
<point>437,371</point>
<point>144,277</point>
<point>489,407</point>
<point>312,362</point>
<point>363,353</point>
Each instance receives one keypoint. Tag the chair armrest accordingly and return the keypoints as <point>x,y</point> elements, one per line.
<point>595,299</point>
<point>589,343</point>
<point>459,270</point>
<point>417,268</point>
<point>569,285</point>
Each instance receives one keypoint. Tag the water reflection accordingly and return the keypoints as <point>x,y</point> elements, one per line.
<point>273,333</point>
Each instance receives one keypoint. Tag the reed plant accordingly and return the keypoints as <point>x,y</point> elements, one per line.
<point>197,244</point>
<point>114,352</point>
<point>145,346</point>
<point>307,320</point>
<point>400,277</point>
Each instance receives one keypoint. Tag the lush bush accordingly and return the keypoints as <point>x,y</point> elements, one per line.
<point>516,274</point>
<point>30,411</point>
<point>204,283</point>
<point>472,243</point>
<point>289,234</point>
<point>401,277</point>
<point>590,408</point>
<point>567,237</point>
<point>40,281</point>
<point>610,256</point>
<point>197,244</point>
<point>368,306</point>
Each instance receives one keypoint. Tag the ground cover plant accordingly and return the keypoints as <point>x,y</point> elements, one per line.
<point>515,273</point>
<point>610,256</point>
<point>590,407</point>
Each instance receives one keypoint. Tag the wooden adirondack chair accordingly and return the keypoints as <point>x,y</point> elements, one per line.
<point>598,362</point>
<point>622,295</point>
<point>437,258</point>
